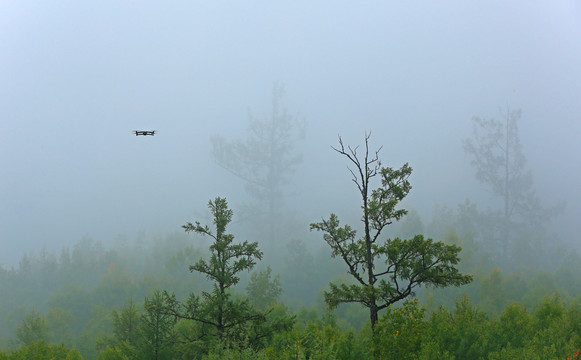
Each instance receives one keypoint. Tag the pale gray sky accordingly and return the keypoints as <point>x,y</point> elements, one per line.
<point>77,77</point>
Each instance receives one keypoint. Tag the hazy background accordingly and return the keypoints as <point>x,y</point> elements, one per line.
<point>77,78</point>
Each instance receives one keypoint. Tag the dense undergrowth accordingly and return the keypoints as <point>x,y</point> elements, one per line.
<point>65,307</point>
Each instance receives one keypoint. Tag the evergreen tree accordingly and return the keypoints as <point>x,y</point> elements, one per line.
<point>157,329</point>
<point>126,324</point>
<point>221,318</point>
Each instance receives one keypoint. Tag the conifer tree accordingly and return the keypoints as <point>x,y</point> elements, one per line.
<point>222,319</point>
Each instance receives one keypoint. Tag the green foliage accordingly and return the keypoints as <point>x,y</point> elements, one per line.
<point>510,353</point>
<point>126,324</point>
<point>492,294</point>
<point>32,329</point>
<point>227,259</point>
<point>75,299</point>
<point>515,326</point>
<point>554,333</point>
<point>549,311</point>
<point>219,318</point>
<point>464,333</point>
<point>573,317</point>
<point>60,325</point>
<point>432,350</point>
<point>218,313</point>
<point>39,350</point>
<point>91,339</point>
<point>409,264</point>
<point>406,264</point>
<point>221,352</point>
<point>114,353</point>
<point>321,339</point>
<point>115,286</point>
<point>156,329</point>
<point>262,291</point>
<point>400,331</point>
<point>515,315</point>
<point>472,330</point>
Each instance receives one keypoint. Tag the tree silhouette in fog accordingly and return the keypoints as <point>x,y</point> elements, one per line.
<point>500,164</point>
<point>265,161</point>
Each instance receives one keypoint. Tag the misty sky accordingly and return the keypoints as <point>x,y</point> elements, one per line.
<point>77,77</point>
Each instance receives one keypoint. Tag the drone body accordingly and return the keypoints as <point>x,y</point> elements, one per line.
<point>144,132</point>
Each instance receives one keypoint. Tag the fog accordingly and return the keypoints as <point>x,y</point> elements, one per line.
<point>77,78</point>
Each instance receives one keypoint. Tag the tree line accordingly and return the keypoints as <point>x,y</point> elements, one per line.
<point>219,322</point>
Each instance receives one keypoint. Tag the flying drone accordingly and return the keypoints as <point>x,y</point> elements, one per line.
<point>144,132</point>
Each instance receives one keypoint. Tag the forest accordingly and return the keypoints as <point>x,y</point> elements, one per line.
<point>290,180</point>
<point>468,284</point>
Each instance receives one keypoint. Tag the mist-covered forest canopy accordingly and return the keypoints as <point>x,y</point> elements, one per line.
<point>137,299</point>
<point>324,181</point>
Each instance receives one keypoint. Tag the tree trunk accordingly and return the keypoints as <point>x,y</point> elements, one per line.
<point>374,317</point>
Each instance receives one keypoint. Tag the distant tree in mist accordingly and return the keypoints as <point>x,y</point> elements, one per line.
<point>60,323</point>
<point>126,326</point>
<point>263,290</point>
<point>33,328</point>
<point>265,160</point>
<point>500,165</point>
